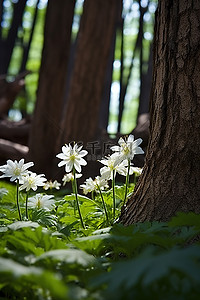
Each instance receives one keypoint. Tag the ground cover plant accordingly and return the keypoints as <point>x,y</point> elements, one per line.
<point>60,245</point>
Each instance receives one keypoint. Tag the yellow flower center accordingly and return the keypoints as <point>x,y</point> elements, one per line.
<point>39,204</point>
<point>72,157</point>
<point>126,149</point>
<point>111,165</point>
<point>30,180</point>
<point>17,171</point>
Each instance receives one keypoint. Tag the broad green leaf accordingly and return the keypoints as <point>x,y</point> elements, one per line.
<point>80,198</point>
<point>186,219</point>
<point>70,256</point>
<point>31,277</point>
<point>21,224</point>
<point>91,244</point>
<point>16,269</point>
<point>150,267</point>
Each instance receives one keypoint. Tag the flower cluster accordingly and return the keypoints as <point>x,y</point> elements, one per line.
<point>15,170</point>
<point>94,185</point>
<point>26,180</point>
<point>118,162</point>
<point>72,158</point>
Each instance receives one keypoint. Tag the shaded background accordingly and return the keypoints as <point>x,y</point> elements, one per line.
<point>73,70</point>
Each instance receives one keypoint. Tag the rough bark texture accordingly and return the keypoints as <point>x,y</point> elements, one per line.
<point>45,126</point>
<point>170,180</point>
<point>87,81</point>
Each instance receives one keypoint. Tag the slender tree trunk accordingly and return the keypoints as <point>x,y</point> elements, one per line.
<point>105,102</point>
<point>80,122</point>
<point>45,126</point>
<point>124,82</point>
<point>28,45</point>
<point>9,43</point>
<point>170,179</point>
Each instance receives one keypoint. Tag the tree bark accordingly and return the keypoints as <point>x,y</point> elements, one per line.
<point>45,126</point>
<point>170,179</point>
<point>80,122</point>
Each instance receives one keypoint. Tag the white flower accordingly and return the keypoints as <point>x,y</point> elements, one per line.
<point>70,177</point>
<point>41,201</point>
<point>15,170</point>
<point>72,157</point>
<point>113,165</point>
<point>94,185</point>
<point>101,182</point>
<point>32,181</point>
<point>52,185</point>
<point>137,171</point>
<point>89,186</point>
<point>127,149</point>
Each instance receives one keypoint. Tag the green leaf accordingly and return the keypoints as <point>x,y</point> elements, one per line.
<point>43,217</point>
<point>25,278</point>
<point>21,224</point>
<point>3,192</point>
<point>150,267</point>
<point>186,219</point>
<point>35,241</point>
<point>91,244</point>
<point>16,269</point>
<point>70,256</point>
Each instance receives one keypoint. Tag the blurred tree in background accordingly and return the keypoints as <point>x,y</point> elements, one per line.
<point>91,80</point>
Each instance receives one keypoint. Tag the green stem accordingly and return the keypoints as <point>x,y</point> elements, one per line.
<point>127,181</point>
<point>18,207</point>
<point>27,194</point>
<point>73,190</point>
<point>104,205</point>
<point>76,194</point>
<point>113,190</point>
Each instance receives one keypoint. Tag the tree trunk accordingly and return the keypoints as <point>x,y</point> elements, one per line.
<point>7,45</point>
<point>27,46</point>
<point>80,122</point>
<point>105,102</point>
<point>170,179</point>
<point>45,126</point>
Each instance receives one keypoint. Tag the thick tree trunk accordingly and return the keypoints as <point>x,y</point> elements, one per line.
<point>45,126</point>
<point>80,122</point>
<point>170,179</point>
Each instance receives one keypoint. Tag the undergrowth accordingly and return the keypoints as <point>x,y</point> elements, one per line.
<point>51,256</point>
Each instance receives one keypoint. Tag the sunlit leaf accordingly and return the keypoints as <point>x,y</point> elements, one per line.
<point>31,276</point>
<point>21,224</point>
<point>3,192</point>
<point>71,256</point>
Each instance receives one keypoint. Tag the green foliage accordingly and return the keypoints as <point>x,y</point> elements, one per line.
<point>52,257</point>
